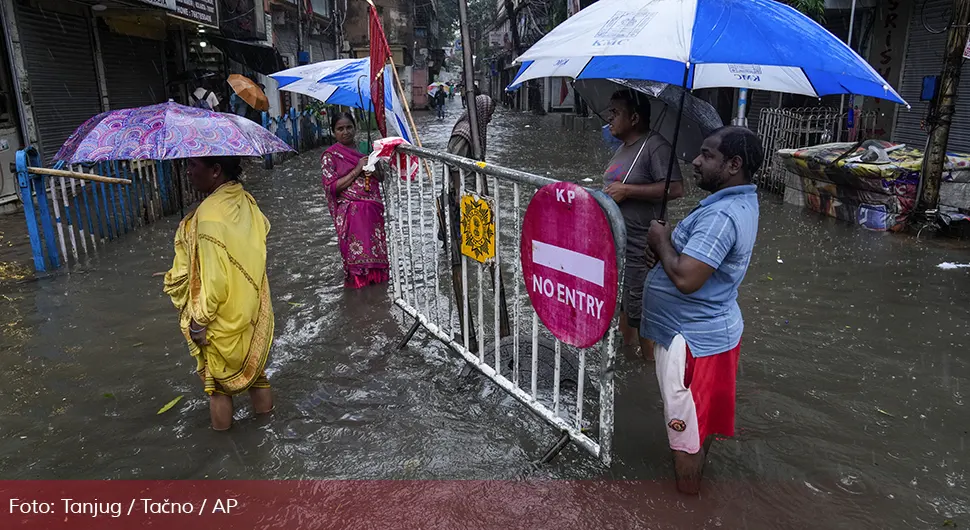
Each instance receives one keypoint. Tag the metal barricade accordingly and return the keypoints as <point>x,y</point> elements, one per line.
<point>569,388</point>
<point>803,127</point>
<point>72,210</point>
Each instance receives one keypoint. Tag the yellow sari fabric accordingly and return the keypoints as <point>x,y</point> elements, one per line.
<point>218,279</point>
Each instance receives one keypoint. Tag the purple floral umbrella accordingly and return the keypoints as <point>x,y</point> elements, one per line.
<point>166,131</point>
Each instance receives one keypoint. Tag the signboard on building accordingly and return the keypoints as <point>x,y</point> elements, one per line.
<point>201,11</point>
<point>569,263</point>
<point>243,19</point>
<point>165,4</point>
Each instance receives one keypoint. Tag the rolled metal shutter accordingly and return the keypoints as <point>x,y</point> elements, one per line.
<point>757,100</point>
<point>59,56</point>
<point>924,56</point>
<point>133,70</point>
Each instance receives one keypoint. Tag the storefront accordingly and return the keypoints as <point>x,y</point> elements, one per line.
<point>133,55</point>
<point>62,74</point>
<point>924,57</point>
<point>78,61</point>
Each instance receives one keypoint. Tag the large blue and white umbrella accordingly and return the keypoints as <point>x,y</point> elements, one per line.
<point>755,44</point>
<point>344,82</point>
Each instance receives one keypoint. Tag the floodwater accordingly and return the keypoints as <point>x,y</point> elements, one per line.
<point>852,393</point>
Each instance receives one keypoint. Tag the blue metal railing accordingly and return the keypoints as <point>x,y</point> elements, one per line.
<point>69,218</point>
<point>301,130</point>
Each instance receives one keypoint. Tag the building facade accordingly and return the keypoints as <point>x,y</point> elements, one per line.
<point>64,62</point>
<point>904,40</point>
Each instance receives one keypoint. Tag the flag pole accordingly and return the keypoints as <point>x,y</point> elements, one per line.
<point>468,64</point>
<point>404,102</point>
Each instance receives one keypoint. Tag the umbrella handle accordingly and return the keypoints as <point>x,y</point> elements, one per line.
<point>634,164</point>
<point>673,147</point>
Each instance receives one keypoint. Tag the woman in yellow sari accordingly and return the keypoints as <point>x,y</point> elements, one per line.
<point>218,284</point>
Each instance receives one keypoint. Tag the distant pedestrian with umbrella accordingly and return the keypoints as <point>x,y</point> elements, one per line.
<point>690,311</point>
<point>635,180</point>
<point>440,97</point>
<point>248,96</point>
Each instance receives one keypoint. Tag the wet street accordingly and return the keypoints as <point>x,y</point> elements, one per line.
<point>854,372</point>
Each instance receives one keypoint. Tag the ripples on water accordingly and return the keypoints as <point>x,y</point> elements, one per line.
<point>851,395</point>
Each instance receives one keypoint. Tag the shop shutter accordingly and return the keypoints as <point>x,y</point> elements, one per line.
<point>59,56</point>
<point>924,56</point>
<point>133,70</point>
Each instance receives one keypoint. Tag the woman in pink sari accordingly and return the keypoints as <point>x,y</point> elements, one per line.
<point>354,199</point>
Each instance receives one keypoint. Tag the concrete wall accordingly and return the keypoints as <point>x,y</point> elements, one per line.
<point>396,17</point>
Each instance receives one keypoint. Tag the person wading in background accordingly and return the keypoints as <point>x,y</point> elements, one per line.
<point>635,180</point>
<point>440,97</point>
<point>691,310</point>
<point>460,144</point>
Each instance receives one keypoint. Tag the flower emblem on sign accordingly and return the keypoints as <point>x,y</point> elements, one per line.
<point>477,228</point>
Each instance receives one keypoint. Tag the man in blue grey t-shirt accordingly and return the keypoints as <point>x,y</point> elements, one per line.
<point>690,308</point>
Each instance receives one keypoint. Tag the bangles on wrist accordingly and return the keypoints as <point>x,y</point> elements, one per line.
<point>193,330</point>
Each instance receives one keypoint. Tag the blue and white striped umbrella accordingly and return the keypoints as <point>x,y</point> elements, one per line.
<point>755,44</point>
<point>345,82</point>
<point>307,80</point>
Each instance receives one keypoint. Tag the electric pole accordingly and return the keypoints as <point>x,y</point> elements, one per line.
<point>299,31</point>
<point>943,107</point>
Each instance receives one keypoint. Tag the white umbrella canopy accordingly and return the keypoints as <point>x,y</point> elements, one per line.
<point>700,118</point>
<point>755,44</point>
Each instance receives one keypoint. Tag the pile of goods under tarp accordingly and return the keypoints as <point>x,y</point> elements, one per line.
<point>873,184</point>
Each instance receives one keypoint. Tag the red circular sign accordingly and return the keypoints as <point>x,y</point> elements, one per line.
<point>569,263</point>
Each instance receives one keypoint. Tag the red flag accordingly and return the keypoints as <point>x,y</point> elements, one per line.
<point>380,52</point>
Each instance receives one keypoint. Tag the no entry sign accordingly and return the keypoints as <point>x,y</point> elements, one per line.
<point>569,263</point>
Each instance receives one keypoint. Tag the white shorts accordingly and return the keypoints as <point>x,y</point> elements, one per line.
<point>698,393</point>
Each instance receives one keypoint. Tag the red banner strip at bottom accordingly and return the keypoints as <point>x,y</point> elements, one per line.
<point>213,504</point>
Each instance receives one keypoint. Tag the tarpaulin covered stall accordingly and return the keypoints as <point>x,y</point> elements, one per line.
<point>873,185</point>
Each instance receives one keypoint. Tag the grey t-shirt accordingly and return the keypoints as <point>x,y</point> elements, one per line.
<point>650,167</point>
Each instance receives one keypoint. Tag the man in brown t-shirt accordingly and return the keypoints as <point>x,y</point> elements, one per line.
<point>635,180</point>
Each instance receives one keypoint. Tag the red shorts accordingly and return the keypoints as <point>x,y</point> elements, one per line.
<point>698,393</point>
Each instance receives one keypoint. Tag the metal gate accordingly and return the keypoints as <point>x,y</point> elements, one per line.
<point>570,388</point>
<point>803,127</point>
<point>63,80</point>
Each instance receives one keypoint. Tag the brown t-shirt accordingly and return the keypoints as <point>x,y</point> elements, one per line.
<point>650,167</point>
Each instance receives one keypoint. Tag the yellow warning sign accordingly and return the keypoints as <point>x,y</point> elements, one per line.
<point>477,228</point>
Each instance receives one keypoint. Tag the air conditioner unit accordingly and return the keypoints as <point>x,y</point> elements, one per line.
<point>279,18</point>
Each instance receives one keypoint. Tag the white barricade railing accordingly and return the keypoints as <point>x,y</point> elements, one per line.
<point>570,388</point>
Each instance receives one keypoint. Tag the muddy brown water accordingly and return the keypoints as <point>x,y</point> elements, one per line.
<point>852,393</point>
